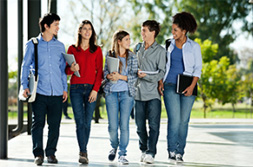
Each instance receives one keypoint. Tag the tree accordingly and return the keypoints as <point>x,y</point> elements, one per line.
<point>219,80</point>
<point>105,15</point>
<point>216,22</point>
<point>157,10</point>
<point>209,68</point>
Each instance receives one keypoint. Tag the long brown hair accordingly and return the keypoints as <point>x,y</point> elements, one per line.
<point>93,38</point>
<point>114,52</point>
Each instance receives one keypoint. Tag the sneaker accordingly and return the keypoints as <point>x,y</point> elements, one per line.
<point>148,159</point>
<point>172,156</point>
<point>179,158</point>
<point>52,159</point>
<point>142,156</point>
<point>39,160</point>
<point>122,159</point>
<point>83,158</point>
<point>112,154</point>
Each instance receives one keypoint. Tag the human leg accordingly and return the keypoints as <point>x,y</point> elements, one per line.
<point>125,107</point>
<point>54,114</point>
<point>154,117</point>
<point>140,120</point>
<point>88,113</point>
<point>76,97</point>
<point>39,108</point>
<point>186,107</point>
<point>172,105</point>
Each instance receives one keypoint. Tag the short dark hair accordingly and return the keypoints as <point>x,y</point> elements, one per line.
<point>185,21</point>
<point>152,26</point>
<point>48,19</point>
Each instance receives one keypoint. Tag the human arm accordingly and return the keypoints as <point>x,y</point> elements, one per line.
<point>188,91</point>
<point>161,63</point>
<point>160,87</point>
<point>197,60</point>
<point>74,66</point>
<point>63,74</point>
<point>27,63</point>
<point>99,69</point>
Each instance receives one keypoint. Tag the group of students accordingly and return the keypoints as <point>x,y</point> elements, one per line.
<point>134,87</point>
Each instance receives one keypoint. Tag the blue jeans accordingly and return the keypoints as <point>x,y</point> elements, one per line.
<point>50,106</point>
<point>178,109</point>
<point>150,110</point>
<point>83,112</point>
<point>119,106</point>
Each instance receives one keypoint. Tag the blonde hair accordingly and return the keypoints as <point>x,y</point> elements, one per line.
<point>114,52</point>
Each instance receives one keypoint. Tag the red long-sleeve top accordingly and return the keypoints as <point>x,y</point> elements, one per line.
<point>90,66</point>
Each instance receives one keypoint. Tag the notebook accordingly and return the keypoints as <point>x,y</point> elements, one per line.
<point>183,81</point>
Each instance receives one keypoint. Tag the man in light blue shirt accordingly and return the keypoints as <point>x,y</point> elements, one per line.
<point>52,87</point>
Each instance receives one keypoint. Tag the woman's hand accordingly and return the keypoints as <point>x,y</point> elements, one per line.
<point>188,91</point>
<point>115,76</point>
<point>93,96</point>
<point>160,87</point>
<point>74,67</point>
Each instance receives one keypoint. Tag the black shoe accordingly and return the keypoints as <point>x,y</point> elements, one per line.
<point>112,154</point>
<point>83,158</point>
<point>52,159</point>
<point>67,117</point>
<point>39,160</point>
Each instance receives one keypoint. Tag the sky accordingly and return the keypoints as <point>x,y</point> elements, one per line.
<point>243,41</point>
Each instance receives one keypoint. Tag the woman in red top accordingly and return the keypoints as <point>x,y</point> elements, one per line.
<point>83,89</point>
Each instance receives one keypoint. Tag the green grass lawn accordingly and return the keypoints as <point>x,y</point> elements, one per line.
<point>218,111</point>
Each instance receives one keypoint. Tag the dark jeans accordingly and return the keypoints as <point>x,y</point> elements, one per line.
<point>50,106</point>
<point>152,111</point>
<point>83,112</point>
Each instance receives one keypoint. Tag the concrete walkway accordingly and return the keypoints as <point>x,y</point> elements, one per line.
<point>210,143</point>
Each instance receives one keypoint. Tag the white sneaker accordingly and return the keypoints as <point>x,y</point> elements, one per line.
<point>122,159</point>
<point>179,158</point>
<point>172,156</point>
<point>148,159</point>
<point>142,156</point>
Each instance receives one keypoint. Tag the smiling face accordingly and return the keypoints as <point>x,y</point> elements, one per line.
<point>177,32</point>
<point>146,34</point>
<point>86,31</point>
<point>125,42</point>
<point>54,27</point>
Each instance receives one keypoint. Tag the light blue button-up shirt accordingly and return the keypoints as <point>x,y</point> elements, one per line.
<point>191,57</point>
<point>51,67</point>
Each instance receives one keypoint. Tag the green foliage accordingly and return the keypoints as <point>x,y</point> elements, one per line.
<point>215,20</point>
<point>158,10</point>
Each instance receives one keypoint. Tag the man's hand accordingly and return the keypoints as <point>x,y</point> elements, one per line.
<point>26,92</point>
<point>141,75</point>
<point>93,96</point>
<point>160,87</point>
<point>64,96</point>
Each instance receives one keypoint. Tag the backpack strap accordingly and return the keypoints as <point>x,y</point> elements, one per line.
<point>167,44</point>
<point>137,48</point>
<point>36,42</point>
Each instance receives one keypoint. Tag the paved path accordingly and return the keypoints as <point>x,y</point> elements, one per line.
<point>211,143</point>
